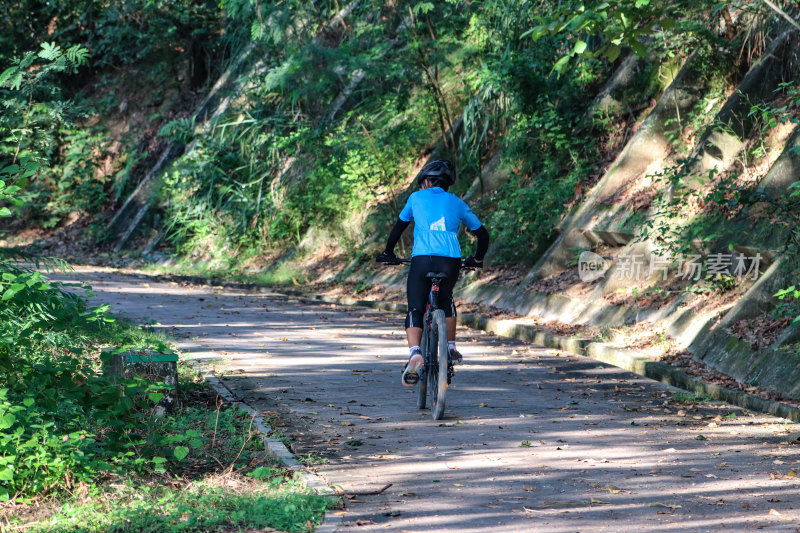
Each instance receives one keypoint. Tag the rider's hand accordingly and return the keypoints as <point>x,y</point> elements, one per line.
<point>471,262</point>
<point>387,257</point>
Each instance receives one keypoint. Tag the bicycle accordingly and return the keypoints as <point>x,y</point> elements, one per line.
<point>435,350</point>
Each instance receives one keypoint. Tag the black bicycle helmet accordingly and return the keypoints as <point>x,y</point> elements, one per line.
<point>440,172</point>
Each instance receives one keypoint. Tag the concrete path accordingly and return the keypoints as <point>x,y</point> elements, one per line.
<point>533,440</point>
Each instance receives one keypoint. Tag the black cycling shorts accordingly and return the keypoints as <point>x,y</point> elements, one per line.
<point>419,286</point>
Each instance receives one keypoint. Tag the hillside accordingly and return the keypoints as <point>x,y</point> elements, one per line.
<point>281,139</point>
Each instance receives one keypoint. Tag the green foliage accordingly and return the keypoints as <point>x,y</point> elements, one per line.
<point>292,158</point>
<point>689,397</point>
<point>531,117</point>
<point>54,402</point>
<point>20,75</point>
<point>40,454</point>
<point>62,422</point>
<point>291,155</point>
<point>720,196</point>
<point>523,231</point>
<point>8,192</point>
<point>599,28</point>
<point>181,130</point>
<point>63,120</point>
<point>33,129</point>
<point>19,84</point>
<point>196,440</point>
<point>65,424</point>
<point>114,32</point>
<point>789,306</point>
<point>329,118</point>
<point>312,459</point>
<point>696,207</point>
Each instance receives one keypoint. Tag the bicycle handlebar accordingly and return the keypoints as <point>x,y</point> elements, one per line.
<point>401,260</point>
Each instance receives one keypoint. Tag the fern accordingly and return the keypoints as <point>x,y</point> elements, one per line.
<point>180,130</point>
<point>12,78</point>
<point>256,30</point>
<point>78,55</point>
<point>27,61</point>
<point>7,74</point>
<point>50,51</point>
<point>423,8</point>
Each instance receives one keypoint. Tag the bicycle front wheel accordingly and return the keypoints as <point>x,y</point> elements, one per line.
<point>438,367</point>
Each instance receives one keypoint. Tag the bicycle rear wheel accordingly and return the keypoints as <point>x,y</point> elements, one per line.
<point>438,365</point>
<point>422,389</point>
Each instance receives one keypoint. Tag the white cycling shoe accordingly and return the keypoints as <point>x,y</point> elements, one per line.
<point>411,372</point>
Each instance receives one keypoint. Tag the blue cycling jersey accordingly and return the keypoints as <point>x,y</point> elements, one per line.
<point>437,217</point>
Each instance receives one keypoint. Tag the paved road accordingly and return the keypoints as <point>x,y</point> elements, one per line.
<point>533,440</point>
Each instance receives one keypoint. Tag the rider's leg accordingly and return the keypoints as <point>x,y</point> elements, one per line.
<point>451,266</point>
<point>417,289</point>
<point>455,355</point>
<point>414,336</point>
<point>451,328</point>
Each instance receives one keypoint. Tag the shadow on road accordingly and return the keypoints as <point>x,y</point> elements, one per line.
<point>533,440</point>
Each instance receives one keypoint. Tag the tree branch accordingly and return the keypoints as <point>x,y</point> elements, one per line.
<point>782,13</point>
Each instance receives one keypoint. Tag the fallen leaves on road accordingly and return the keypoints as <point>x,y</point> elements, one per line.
<point>774,512</point>
<point>666,505</point>
<point>792,474</point>
<point>613,489</point>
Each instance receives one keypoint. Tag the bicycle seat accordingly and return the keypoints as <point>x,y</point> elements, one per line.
<point>440,275</point>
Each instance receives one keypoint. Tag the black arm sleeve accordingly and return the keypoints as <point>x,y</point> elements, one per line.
<point>483,242</point>
<point>394,236</point>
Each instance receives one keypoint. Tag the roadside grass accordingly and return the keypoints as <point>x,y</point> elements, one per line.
<point>217,503</point>
<point>281,274</point>
<point>226,482</point>
<point>689,397</point>
<point>312,459</point>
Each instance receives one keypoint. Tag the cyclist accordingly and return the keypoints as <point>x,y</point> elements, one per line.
<point>437,216</point>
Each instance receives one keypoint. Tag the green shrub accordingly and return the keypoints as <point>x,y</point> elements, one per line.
<point>61,420</point>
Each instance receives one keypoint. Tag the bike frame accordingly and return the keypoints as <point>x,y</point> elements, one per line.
<point>433,305</point>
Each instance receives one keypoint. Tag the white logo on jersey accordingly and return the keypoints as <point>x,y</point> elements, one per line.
<point>439,225</point>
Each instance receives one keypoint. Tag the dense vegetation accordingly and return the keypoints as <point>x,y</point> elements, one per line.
<point>69,428</point>
<point>71,433</point>
<point>326,110</point>
<point>335,106</point>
